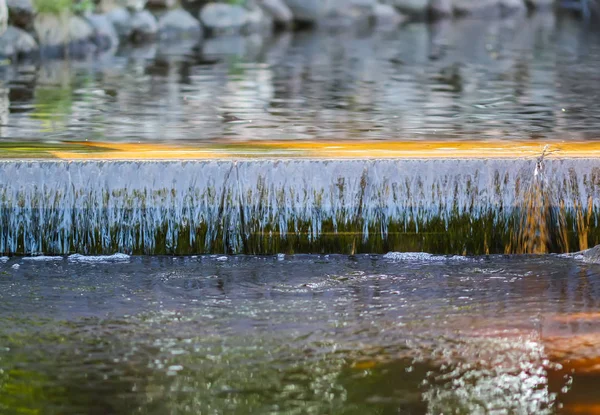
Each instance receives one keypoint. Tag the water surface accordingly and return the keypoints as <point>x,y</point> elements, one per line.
<point>370,334</point>
<point>524,78</point>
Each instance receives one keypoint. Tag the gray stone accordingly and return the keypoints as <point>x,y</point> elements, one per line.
<point>416,9</point>
<point>57,31</point>
<point>143,26</point>
<point>439,9</point>
<point>387,16</point>
<point>279,11</point>
<point>309,11</point>
<point>20,13</point>
<point>220,18</point>
<point>258,21</point>
<point>179,24</point>
<point>15,42</point>
<point>591,255</point>
<point>121,20</point>
<point>105,35</point>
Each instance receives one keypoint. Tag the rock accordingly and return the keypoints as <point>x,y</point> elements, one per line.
<point>279,11</point>
<point>3,16</point>
<point>258,21</point>
<point>221,18</point>
<point>415,9</point>
<point>439,9</point>
<point>105,35</point>
<point>591,255</point>
<point>121,20</point>
<point>179,24</point>
<point>133,5</point>
<point>56,31</point>
<point>539,4</point>
<point>163,4</point>
<point>15,42</point>
<point>307,11</point>
<point>143,26</point>
<point>20,13</point>
<point>387,16</point>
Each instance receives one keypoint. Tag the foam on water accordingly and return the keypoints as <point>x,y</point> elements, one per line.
<point>3,259</point>
<point>266,206</point>
<point>118,257</point>
<point>43,258</point>
<point>422,257</point>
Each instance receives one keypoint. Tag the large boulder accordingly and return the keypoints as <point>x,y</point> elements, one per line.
<point>308,11</point>
<point>280,12</point>
<point>143,26</point>
<point>20,13</point>
<point>258,21</point>
<point>221,18</point>
<point>121,20</point>
<point>179,24</point>
<point>105,35</point>
<point>15,42</point>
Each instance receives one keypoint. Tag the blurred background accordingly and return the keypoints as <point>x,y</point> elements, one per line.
<point>190,72</point>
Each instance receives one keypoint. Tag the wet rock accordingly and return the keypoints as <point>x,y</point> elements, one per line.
<point>387,16</point>
<point>307,11</point>
<point>439,9</point>
<point>415,9</point>
<point>258,21</point>
<point>121,20</point>
<point>3,16</point>
<point>143,26</point>
<point>220,18</point>
<point>134,5</point>
<point>20,13</point>
<point>55,33</point>
<point>179,24</point>
<point>15,42</point>
<point>279,11</point>
<point>105,35</point>
<point>591,255</point>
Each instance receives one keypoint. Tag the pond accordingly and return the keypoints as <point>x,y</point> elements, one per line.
<point>366,334</point>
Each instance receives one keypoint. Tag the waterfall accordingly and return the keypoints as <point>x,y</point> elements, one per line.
<point>459,206</point>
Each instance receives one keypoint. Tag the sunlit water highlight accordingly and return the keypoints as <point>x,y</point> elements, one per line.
<point>299,334</point>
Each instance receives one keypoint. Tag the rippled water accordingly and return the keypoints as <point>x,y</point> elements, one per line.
<point>414,333</point>
<point>521,78</point>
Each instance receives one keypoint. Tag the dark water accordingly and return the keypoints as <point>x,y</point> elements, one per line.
<point>521,78</point>
<point>305,334</point>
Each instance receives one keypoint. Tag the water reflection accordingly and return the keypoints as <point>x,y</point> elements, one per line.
<point>513,78</point>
